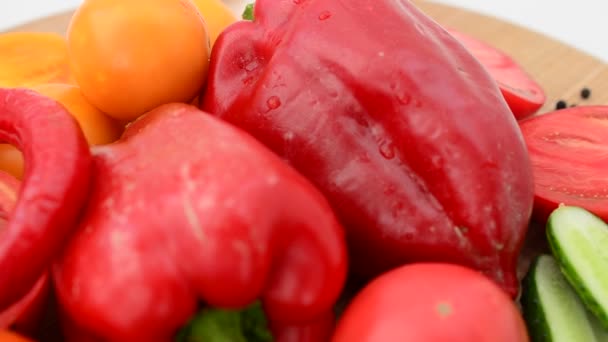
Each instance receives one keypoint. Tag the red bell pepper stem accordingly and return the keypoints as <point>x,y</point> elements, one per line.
<point>55,186</point>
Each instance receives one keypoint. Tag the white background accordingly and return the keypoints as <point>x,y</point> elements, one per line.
<point>580,23</point>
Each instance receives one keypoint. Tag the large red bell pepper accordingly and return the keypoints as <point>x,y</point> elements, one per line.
<point>394,121</point>
<point>53,190</point>
<point>186,208</point>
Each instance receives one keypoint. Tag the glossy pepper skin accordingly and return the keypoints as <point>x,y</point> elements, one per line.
<point>392,119</point>
<point>54,187</point>
<point>317,331</point>
<point>25,314</point>
<point>186,208</point>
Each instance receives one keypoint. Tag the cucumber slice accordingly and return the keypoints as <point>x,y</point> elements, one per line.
<point>579,241</point>
<point>552,310</point>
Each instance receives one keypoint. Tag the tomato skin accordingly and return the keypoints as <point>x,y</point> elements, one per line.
<point>521,92</point>
<point>129,57</point>
<point>569,153</point>
<point>431,302</point>
<point>98,128</point>
<point>217,16</point>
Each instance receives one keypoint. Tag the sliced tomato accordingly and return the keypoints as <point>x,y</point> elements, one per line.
<point>521,92</point>
<point>569,153</point>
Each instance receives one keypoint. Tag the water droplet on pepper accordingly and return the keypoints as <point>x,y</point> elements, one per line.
<point>387,150</point>
<point>404,99</point>
<point>251,66</point>
<point>324,15</point>
<point>273,102</point>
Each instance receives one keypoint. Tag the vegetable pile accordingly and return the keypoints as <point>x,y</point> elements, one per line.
<point>319,170</point>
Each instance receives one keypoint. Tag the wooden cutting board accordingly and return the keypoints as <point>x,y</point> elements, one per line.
<point>562,70</point>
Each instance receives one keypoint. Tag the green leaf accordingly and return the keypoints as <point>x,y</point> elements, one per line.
<point>248,12</point>
<point>219,325</point>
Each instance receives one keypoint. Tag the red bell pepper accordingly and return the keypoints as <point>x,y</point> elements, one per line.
<point>24,315</point>
<point>186,209</point>
<point>54,188</point>
<point>392,119</point>
<point>431,302</point>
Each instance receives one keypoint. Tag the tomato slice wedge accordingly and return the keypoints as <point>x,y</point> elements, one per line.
<point>569,153</point>
<point>521,92</point>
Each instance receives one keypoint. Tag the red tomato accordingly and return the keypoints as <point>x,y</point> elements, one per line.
<point>431,302</point>
<point>569,153</point>
<point>523,95</point>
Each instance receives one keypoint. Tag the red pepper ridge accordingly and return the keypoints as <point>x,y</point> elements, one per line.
<point>55,186</point>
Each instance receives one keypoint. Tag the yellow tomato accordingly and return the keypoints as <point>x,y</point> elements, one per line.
<point>28,58</point>
<point>97,127</point>
<point>11,160</point>
<point>129,57</point>
<point>217,16</point>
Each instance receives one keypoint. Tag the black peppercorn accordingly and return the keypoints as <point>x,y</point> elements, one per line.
<point>561,104</point>
<point>585,93</point>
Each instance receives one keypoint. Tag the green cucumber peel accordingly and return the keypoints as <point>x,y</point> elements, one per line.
<point>579,241</point>
<point>552,310</point>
